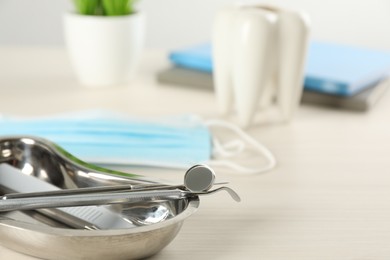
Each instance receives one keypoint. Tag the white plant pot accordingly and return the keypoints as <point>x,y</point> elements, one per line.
<point>104,50</point>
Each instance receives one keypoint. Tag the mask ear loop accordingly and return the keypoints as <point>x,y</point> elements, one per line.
<point>236,146</point>
<point>229,149</point>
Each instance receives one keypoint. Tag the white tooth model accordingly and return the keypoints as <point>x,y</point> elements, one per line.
<point>259,55</point>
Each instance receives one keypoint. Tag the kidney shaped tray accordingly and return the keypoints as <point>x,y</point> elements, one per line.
<point>32,233</point>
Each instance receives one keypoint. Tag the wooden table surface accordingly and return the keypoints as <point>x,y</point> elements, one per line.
<point>328,197</point>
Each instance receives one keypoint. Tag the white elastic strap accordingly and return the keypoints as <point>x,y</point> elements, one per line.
<point>229,149</point>
<point>221,150</point>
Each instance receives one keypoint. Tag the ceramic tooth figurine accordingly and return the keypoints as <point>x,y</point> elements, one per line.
<point>222,58</point>
<point>259,54</point>
<point>253,32</point>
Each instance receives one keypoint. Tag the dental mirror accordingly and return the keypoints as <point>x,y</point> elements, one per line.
<point>199,178</point>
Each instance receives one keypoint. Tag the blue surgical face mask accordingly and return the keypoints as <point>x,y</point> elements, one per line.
<point>108,138</point>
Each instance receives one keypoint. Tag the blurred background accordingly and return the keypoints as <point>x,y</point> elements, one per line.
<point>177,23</point>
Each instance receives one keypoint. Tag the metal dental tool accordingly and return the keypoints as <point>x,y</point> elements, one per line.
<point>198,180</point>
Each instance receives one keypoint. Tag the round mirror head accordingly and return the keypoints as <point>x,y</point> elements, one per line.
<point>199,178</point>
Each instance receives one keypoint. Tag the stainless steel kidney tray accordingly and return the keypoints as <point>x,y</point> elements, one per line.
<point>42,235</point>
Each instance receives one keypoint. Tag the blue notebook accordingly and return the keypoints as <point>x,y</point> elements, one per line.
<point>330,68</point>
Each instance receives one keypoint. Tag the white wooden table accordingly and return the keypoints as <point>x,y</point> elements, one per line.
<point>328,198</point>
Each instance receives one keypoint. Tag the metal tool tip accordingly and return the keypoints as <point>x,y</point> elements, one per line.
<point>199,178</point>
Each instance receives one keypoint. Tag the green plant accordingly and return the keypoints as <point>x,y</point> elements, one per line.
<point>105,7</point>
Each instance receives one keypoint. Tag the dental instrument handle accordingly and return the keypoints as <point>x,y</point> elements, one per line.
<point>116,188</point>
<point>89,199</point>
<point>68,191</point>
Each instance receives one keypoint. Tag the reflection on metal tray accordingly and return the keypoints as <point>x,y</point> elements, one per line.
<point>36,233</point>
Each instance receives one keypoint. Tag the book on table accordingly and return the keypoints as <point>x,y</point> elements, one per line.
<point>336,75</point>
<point>362,101</point>
<point>330,68</point>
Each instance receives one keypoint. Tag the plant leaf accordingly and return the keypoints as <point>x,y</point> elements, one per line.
<point>86,7</point>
